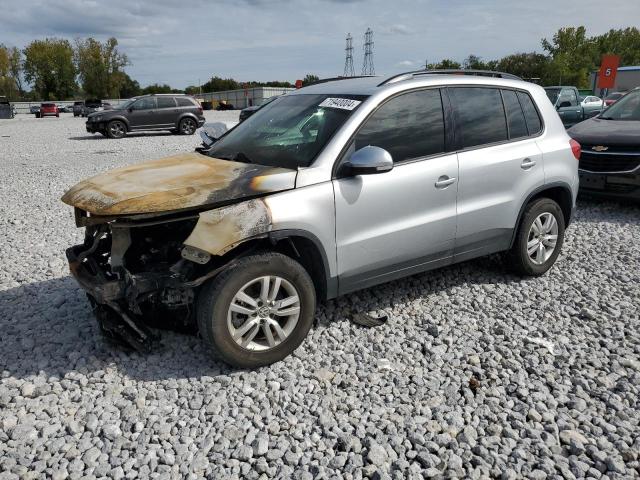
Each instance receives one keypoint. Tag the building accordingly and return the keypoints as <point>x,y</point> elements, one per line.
<point>626,79</point>
<point>244,97</point>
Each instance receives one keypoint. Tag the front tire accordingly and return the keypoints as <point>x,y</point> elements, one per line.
<point>257,311</point>
<point>539,239</point>
<point>116,129</point>
<point>188,126</point>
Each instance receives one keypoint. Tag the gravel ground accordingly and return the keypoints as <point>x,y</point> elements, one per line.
<point>477,374</point>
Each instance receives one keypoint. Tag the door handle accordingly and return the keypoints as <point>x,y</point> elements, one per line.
<point>444,181</point>
<point>527,163</point>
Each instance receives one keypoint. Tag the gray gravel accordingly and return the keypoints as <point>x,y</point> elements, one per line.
<point>477,373</point>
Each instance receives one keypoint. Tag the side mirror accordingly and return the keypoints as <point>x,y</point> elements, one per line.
<point>368,160</point>
<point>564,104</point>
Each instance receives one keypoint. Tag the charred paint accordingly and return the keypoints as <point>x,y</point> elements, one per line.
<point>219,230</point>
<point>175,183</point>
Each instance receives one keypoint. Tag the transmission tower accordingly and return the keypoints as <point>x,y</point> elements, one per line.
<point>367,66</point>
<point>348,62</point>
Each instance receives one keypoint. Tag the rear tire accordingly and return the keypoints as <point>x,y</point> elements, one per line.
<point>277,329</point>
<point>187,126</point>
<point>116,129</point>
<point>539,239</point>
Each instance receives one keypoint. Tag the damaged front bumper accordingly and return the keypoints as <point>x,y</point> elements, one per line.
<point>133,280</point>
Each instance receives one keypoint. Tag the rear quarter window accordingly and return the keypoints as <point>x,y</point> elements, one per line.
<point>515,116</point>
<point>531,116</point>
<point>185,102</point>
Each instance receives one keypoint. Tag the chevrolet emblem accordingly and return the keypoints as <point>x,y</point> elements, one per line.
<point>599,148</point>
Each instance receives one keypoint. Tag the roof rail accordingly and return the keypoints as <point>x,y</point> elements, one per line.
<point>479,73</point>
<point>334,79</point>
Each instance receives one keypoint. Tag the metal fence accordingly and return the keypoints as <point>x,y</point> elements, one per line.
<point>238,98</point>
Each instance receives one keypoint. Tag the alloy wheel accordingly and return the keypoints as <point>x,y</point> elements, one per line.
<point>542,238</point>
<point>188,126</point>
<point>263,313</point>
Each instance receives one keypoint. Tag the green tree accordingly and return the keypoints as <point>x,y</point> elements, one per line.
<point>623,42</point>
<point>573,56</point>
<point>100,67</point>
<point>309,78</point>
<point>128,86</point>
<point>444,64</point>
<point>529,65</point>
<point>10,72</point>
<point>48,66</point>
<point>157,88</point>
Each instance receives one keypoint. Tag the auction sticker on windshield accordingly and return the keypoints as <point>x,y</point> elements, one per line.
<point>342,103</point>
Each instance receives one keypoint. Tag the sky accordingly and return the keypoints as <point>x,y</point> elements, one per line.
<point>186,42</point>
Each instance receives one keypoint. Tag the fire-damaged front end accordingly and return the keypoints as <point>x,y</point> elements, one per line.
<point>141,264</point>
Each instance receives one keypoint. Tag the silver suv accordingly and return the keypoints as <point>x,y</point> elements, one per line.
<point>329,189</point>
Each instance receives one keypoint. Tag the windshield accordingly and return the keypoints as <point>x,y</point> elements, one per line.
<point>627,108</point>
<point>614,96</point>
<point>288,132</point>
<point>552,93</point>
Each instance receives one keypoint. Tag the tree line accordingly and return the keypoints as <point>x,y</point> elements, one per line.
<point>56,69</point>
<point>570,55</point>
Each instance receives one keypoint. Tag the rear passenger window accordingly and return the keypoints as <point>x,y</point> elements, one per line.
<point>481,118</point>
<point>515,117</point>
<point>166,102</point>
<point>534,125</point>
<point>184,102</point>
<point>407,126</point>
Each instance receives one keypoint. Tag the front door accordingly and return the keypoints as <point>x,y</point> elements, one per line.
<point>569,109</point>
<point>399,222</point>
<point>143,113</point>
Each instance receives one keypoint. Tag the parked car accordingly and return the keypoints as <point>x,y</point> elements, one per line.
<point>178,113</point>
<point>570,109</point>
<point>329,189</point>
<point>224,105</point>
<point>610,159</point>
<point>35,109</point>
<point>248,111</point>
<point>592,102</point>
<point>48,110</point>
<point>613,98</point>
<point>91,106</point>
<point>6,109</point>
<point>77,108</point>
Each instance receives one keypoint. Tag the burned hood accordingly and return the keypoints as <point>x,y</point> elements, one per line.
<point>178,182</point>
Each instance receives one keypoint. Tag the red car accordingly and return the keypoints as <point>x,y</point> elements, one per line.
<point>613,98</point>
<point>48,109</point>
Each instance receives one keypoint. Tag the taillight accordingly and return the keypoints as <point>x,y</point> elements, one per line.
<point>575,148</point>
<point>199,109</point>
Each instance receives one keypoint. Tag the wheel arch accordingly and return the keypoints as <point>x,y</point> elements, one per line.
<point>560,192</point>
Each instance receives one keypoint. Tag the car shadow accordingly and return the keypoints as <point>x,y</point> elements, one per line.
<point>48,327</point>
<point>607,210</point>
<point>98,136</point>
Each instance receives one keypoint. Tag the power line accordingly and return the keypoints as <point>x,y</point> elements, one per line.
<point>367,66</point>
<point>348,62</point>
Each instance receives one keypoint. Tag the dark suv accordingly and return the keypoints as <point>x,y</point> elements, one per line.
<point>178,113</point>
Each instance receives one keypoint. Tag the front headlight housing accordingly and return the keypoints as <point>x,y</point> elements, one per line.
<point>97,118</point>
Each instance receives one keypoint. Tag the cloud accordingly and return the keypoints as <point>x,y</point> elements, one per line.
<point>285,39</point>
<point>397,29</point>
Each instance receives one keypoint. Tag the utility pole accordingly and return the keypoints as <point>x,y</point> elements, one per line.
<point>367,66</point>
<point>348,62</point>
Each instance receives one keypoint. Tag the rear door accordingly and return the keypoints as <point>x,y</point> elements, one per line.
<point>395,223</point>
<point>500,164</point>
<point>143,113</point>
<point>167,112</point>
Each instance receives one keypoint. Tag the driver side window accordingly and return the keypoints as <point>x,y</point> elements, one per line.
<point>408,126</point>
<point>147,103</point>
